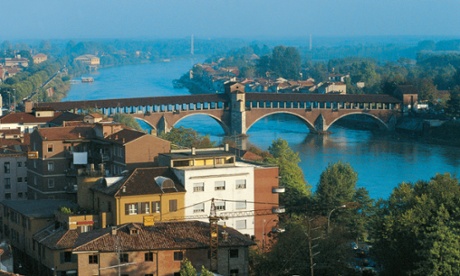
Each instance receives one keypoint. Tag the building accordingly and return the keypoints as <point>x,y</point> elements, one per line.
<point>20,221</point>
<point>13,173</point>
<point>333,87</point>
<point>28,121</point>
<point>64,153</point>
<point>39,58</point>
<point>409,95</point>
<point>134,249</point>
<point>152,194</point>
<point>243,191</point>
<point>16,61</point>
<point>90,60</point>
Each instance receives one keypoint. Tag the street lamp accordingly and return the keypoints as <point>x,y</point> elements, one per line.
<point>329,216</point>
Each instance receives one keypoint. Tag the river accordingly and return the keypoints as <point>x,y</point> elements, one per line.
<point>382,162</point>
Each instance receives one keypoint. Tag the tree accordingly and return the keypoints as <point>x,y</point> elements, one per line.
<point>186,268</point>
<point>188,138</point>
<point>336,185</point>
<point>291,175</point>
<point>127,120</point>
<point>453,104</point>
<point>417,230</point>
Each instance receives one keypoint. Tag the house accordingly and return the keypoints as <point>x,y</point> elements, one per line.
<point>16,61</point>
<point>39,58</point>
<point>137,250</point>
<point>88,59</point>
<point>409,95</point>
<point>333,87</point>
<point>143,194</point>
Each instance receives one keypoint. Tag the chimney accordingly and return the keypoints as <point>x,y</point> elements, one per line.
<point>226,147</point>
<point>114,230</point>
<point>193,151</point>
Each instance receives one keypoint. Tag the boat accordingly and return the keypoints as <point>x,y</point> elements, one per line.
<point>87,79</point>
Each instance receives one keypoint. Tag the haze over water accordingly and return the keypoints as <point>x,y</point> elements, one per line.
<point>381,162</point>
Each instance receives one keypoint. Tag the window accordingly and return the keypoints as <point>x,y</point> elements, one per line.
<point>233,253</point>
<point>123,257</point>
<point>50,147</point>
<point>178,256</point>
<point>19,164</point>
<point>19,179</point>
<point>149,257</point>
<point>151,274</point>
<point>131,209</point>
<point>240,224</point>
<point>219,185</point>
<point>220,206</point>
<point>50,166</point>
<point>240,205</point>
<point>240,184</point>
<point>51,183</point>
<point>20,195</point>
<point>66,257</point>
<point>198,208</point>
<point>92,259</point>
<point>7,183</point>
<point>156,207</point>
<point>6,167</point>
<point>233,272</point>
<point>7,195</point>
<point>109,206</point>
<point>198,187</point>
<point>173,205</point>
<point>145,208</point>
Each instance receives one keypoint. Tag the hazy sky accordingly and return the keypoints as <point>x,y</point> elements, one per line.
<point>54,19</point>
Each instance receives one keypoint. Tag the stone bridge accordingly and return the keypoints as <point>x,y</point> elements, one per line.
<point>236,111</point>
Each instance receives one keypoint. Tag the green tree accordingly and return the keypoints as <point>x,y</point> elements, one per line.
<point>205,272</point>
<point>186,268</point>
<point>453,104</point>
<point>291,175</point>
<point>336,185</point>
<point>417,230</point>
<point>187,137</point>
<point>127,120</point>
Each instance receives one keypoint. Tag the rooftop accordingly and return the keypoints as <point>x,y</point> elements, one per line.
<point>40,208</point>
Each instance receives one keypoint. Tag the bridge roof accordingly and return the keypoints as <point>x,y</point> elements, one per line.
<point>295,97</point>
<point>143,101</point>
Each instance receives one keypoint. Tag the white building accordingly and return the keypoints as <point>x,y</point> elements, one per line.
<point>215,174</point>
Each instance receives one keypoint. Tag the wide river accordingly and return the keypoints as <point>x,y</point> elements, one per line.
<point>381,162</point>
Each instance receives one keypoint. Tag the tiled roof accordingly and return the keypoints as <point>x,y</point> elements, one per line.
<point>66,133</point>
<point>161,236</point>
<point>140,182</point>
<point>56,238</point>
<point>26,118</point>
<point>125,136</point>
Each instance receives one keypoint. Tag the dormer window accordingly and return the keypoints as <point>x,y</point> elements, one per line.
<point>50,147</point>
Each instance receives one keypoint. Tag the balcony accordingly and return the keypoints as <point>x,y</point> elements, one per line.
<point>278,210</point>
<point>278,190</point>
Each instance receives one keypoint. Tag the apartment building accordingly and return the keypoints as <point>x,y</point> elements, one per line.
<point>13,173</point>
<point>105,148</point>
<point>242,191</point>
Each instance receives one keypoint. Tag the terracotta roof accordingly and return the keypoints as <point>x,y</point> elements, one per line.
<point>125,136</point>
<point>26,118</point>
<point>161,236</point>
<point>66,133</point>
<point>57,239</point>
<point>140,182</point>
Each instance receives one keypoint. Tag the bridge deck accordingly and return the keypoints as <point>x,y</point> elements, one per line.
<point>188,99</point>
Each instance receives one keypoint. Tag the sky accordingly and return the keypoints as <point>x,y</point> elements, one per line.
<point>92,19</point>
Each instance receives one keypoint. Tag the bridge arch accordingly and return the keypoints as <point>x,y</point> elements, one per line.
<point>376,118</point>
<point>146,122</point>
<point>309,124</point>
<point>224,126</point>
